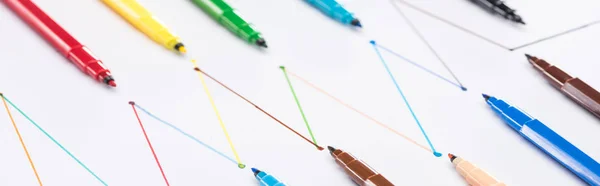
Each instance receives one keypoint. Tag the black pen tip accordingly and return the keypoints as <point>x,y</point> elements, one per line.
<point>356,23</point>
<point>261,42</point>
<point>331,149</point>
<point>485,96</point>
<point>529,56</point>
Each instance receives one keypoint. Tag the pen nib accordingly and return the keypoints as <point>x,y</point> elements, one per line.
<point>451,156</point>
<point>356,23</point>
<point>528,56</point>
<point>485,96</point>
<point>262,43</point>
<point>331,149</point>
<point>255,171</point>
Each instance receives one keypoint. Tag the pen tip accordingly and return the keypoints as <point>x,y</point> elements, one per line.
<point>451,156</point>
<point>112,83</point>
<point>255,171</point>
<point>356,23</point>
<point>131,103</point>
<point>181,48</point>
<point>261,42</point>
<point>331,149</point>
<point>485,96</point>
<point>528,56</point>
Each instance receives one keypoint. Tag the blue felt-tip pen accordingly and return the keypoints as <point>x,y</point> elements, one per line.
<point>266,179</point>
<point>336,11</point>
<point>547,140</point>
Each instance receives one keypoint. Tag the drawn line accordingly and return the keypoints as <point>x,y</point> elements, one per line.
<point>149,144</point>
<point>417,65</point>
<point>185,133</point>
<point>433,51</point>
<point>437,154</point>
<point>358,111</point>
<point>555,35</point>
<point>298,103</point>
<point>21,140</point>
<point>487,39</point>
<point>451,24</point>
<point>260,109</point>
<point>214,107</point>
<point>55,142</point>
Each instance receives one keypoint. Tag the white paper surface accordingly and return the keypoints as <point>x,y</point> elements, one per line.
<point>98,126</point>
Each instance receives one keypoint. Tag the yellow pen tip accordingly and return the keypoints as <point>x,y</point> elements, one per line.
<point>182,50</point>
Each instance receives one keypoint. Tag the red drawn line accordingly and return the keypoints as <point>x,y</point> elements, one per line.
<point>149,144</point>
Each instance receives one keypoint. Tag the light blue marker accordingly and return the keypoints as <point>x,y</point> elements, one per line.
<point>266,179</point>
<point>336,11</point>
<point>547,140</point>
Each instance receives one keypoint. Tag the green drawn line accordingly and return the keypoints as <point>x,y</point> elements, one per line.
<point>298,103</point>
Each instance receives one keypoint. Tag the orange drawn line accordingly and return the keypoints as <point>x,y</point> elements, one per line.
<point>21,140</point>
<point>358,111</point>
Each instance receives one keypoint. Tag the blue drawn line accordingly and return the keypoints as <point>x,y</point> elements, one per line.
<point>55,142</point>
<point>437,154</point>
<point>184,133</point>
<point>417,65</point>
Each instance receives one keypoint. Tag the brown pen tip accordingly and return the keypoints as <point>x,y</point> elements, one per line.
<point>451,156</point>
<point>320,148</point>
<point>131,103</point>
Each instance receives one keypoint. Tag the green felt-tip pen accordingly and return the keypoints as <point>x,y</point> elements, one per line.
<point>220,11</point>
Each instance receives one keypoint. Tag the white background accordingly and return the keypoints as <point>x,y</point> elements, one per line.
<point>98,126</point>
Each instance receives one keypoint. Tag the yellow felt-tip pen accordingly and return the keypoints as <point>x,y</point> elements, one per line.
<point>144,21</point>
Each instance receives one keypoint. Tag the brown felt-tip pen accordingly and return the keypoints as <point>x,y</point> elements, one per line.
<point>358,170</point>
<point>573,87</point>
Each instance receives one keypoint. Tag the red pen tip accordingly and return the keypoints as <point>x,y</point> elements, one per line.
<point>112,83</point>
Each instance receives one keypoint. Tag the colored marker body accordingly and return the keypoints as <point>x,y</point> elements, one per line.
<point>144,21</point>
<point>61,40</point>
<point>473,174</point>
<point>221,12</point>
<point>547,140</point>
<point>336,11</point>
<point>266,179</point>
<point>358,170</point>
<point>573,87</point>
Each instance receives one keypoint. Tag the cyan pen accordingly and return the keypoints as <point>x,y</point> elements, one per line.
<point>548,141</point>
<point>266,179</point>
<point>336,11</point>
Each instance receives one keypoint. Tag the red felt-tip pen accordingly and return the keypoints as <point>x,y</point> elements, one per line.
<point>61,40</point>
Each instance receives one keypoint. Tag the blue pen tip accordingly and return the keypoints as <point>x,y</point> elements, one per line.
<point>463,88</point>
<point>356,22</point>
<point>437,154</point>
<point>485,96</point>
<point>254,170</point>
<point>372,41</point>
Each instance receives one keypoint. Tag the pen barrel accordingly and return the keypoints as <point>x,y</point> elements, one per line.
<point>584,94</point>
<point>268,180</point>
<point>59,38</point>
<point>37,19</point>
<point>333,9</point>
<point>143,20</point>
<point>359,171</point>
<point>229,18</point>
<point>562,151</point>
<point>474,175</point>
